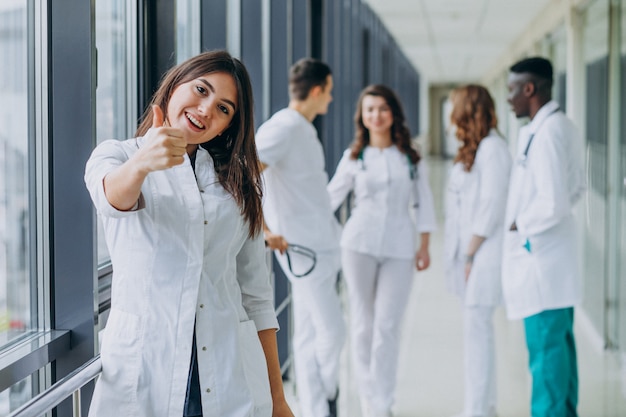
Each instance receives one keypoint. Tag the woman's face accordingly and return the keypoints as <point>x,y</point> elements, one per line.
<point>204,107</point>
<point>376,114</point>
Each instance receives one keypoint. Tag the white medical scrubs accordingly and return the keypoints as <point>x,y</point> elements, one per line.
<point>183,255</point>
<point>378,249</point>
<point>475,205</point>
<point>296,206</point>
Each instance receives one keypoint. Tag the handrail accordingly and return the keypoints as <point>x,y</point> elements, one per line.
<point>67,386</point>
<point>72,383</point>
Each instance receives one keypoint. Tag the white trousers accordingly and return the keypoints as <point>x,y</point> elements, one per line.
<point>378,293</point>
<point>318,332</point>
<point>479,361</point>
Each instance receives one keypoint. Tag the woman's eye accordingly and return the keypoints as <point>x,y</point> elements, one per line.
<point>201,89</point>
<point>224,109</point>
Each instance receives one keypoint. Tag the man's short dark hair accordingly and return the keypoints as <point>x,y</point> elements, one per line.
<point>537,66</point>
<point>305,74</point>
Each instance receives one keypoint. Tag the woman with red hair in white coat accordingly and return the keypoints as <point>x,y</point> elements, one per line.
<point>475,206</point>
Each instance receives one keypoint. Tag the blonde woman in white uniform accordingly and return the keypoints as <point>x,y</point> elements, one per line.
<point>378,244</point>
<point>475,205</point>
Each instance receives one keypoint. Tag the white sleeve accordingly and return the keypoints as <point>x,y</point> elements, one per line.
<point>425,211</point>
<point>493,164</point>
<point>273,142</point>
<point>254,281</point>
<point>343,180</point>
<point>106,157</point>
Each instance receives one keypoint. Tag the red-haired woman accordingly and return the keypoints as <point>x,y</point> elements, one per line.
<point>475,205</point>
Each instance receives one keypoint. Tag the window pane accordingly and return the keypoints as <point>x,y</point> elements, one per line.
<point>187,29</point>
<point>16,316</point>
<point>112,91</point>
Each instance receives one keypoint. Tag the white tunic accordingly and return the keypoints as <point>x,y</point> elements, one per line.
<point>380,223</point>
<point>296,204</point>
<point>475,205</point>
<point>542,192</point>
<point>183,255</point>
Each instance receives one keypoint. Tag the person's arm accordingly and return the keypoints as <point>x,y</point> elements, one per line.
<point>422,257</point>
<point>272,240</point>
<point>163,148</point>
<point>547,164</point>
<point>472,248</point>
<point>270,348</point>
<point>342,181</point>
<point>425,221</point>
<point>493,167</point>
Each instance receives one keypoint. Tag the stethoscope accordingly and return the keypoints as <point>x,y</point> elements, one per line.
<point>521,160</point>
<point>412,174</point>
<point>304,251</point>
<point>412,166</point>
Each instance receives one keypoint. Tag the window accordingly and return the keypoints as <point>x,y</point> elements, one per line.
<point>17,313</point>
<point>187,29</point>
<point>18,288</point>
<point>116,115</point>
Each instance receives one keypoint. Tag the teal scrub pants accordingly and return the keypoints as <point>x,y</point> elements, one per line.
<point>552,362</point>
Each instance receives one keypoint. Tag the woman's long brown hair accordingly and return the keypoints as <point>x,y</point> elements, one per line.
<point>234,151</point>
<point>474,115</point>
<point>400,135</point>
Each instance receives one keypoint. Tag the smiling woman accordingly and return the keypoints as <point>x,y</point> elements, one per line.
<point>182,225</point>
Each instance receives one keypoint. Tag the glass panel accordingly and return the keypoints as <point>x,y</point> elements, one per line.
<point>17,315</point>
<point>187,29</point>
<point>594,231</point>
<point>559,60</point>
<point>622,301</point>
<point>112,91</point>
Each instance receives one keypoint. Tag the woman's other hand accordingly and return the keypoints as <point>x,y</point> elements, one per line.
<point>422,259</point>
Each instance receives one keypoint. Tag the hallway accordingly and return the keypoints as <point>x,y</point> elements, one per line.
<point>430,379</point>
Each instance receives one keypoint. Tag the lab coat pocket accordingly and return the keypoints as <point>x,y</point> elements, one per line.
<point>121,359</point>
<point>255,369</point>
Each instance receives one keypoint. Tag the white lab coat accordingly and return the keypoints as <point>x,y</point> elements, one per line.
<point>380,223</point>
<point>182,255</point>
<point>475,205</point>
<point>296,203</point>
<point>542,192</point>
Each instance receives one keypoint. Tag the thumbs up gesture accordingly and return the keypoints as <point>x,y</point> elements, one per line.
<point>164,146</point>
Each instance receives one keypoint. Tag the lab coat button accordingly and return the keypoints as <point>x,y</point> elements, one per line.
<point>203,347</point>
<point>208,390</point>
<point>201,305</point>
<point>206,222</point>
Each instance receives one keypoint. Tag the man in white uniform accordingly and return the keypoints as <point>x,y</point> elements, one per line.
<point>540,272</point>
<point>297,211</point>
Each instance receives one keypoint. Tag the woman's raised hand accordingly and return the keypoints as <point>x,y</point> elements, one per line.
<point>163,147</point>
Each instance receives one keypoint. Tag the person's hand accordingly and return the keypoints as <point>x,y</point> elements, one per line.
<point>422,259</point>
<point>281,409</point>
<point>164,146</point>
<point>276,242</point>
<point>468,269</point>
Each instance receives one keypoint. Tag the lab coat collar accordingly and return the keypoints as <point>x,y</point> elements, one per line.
<point>543,113</point>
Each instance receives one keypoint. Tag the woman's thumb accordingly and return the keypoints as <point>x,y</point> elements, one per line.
<point>157,116</point>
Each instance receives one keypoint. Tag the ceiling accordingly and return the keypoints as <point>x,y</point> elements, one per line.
<point>456,40</point>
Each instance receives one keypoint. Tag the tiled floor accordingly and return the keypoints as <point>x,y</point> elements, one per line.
<point>430,379</point>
